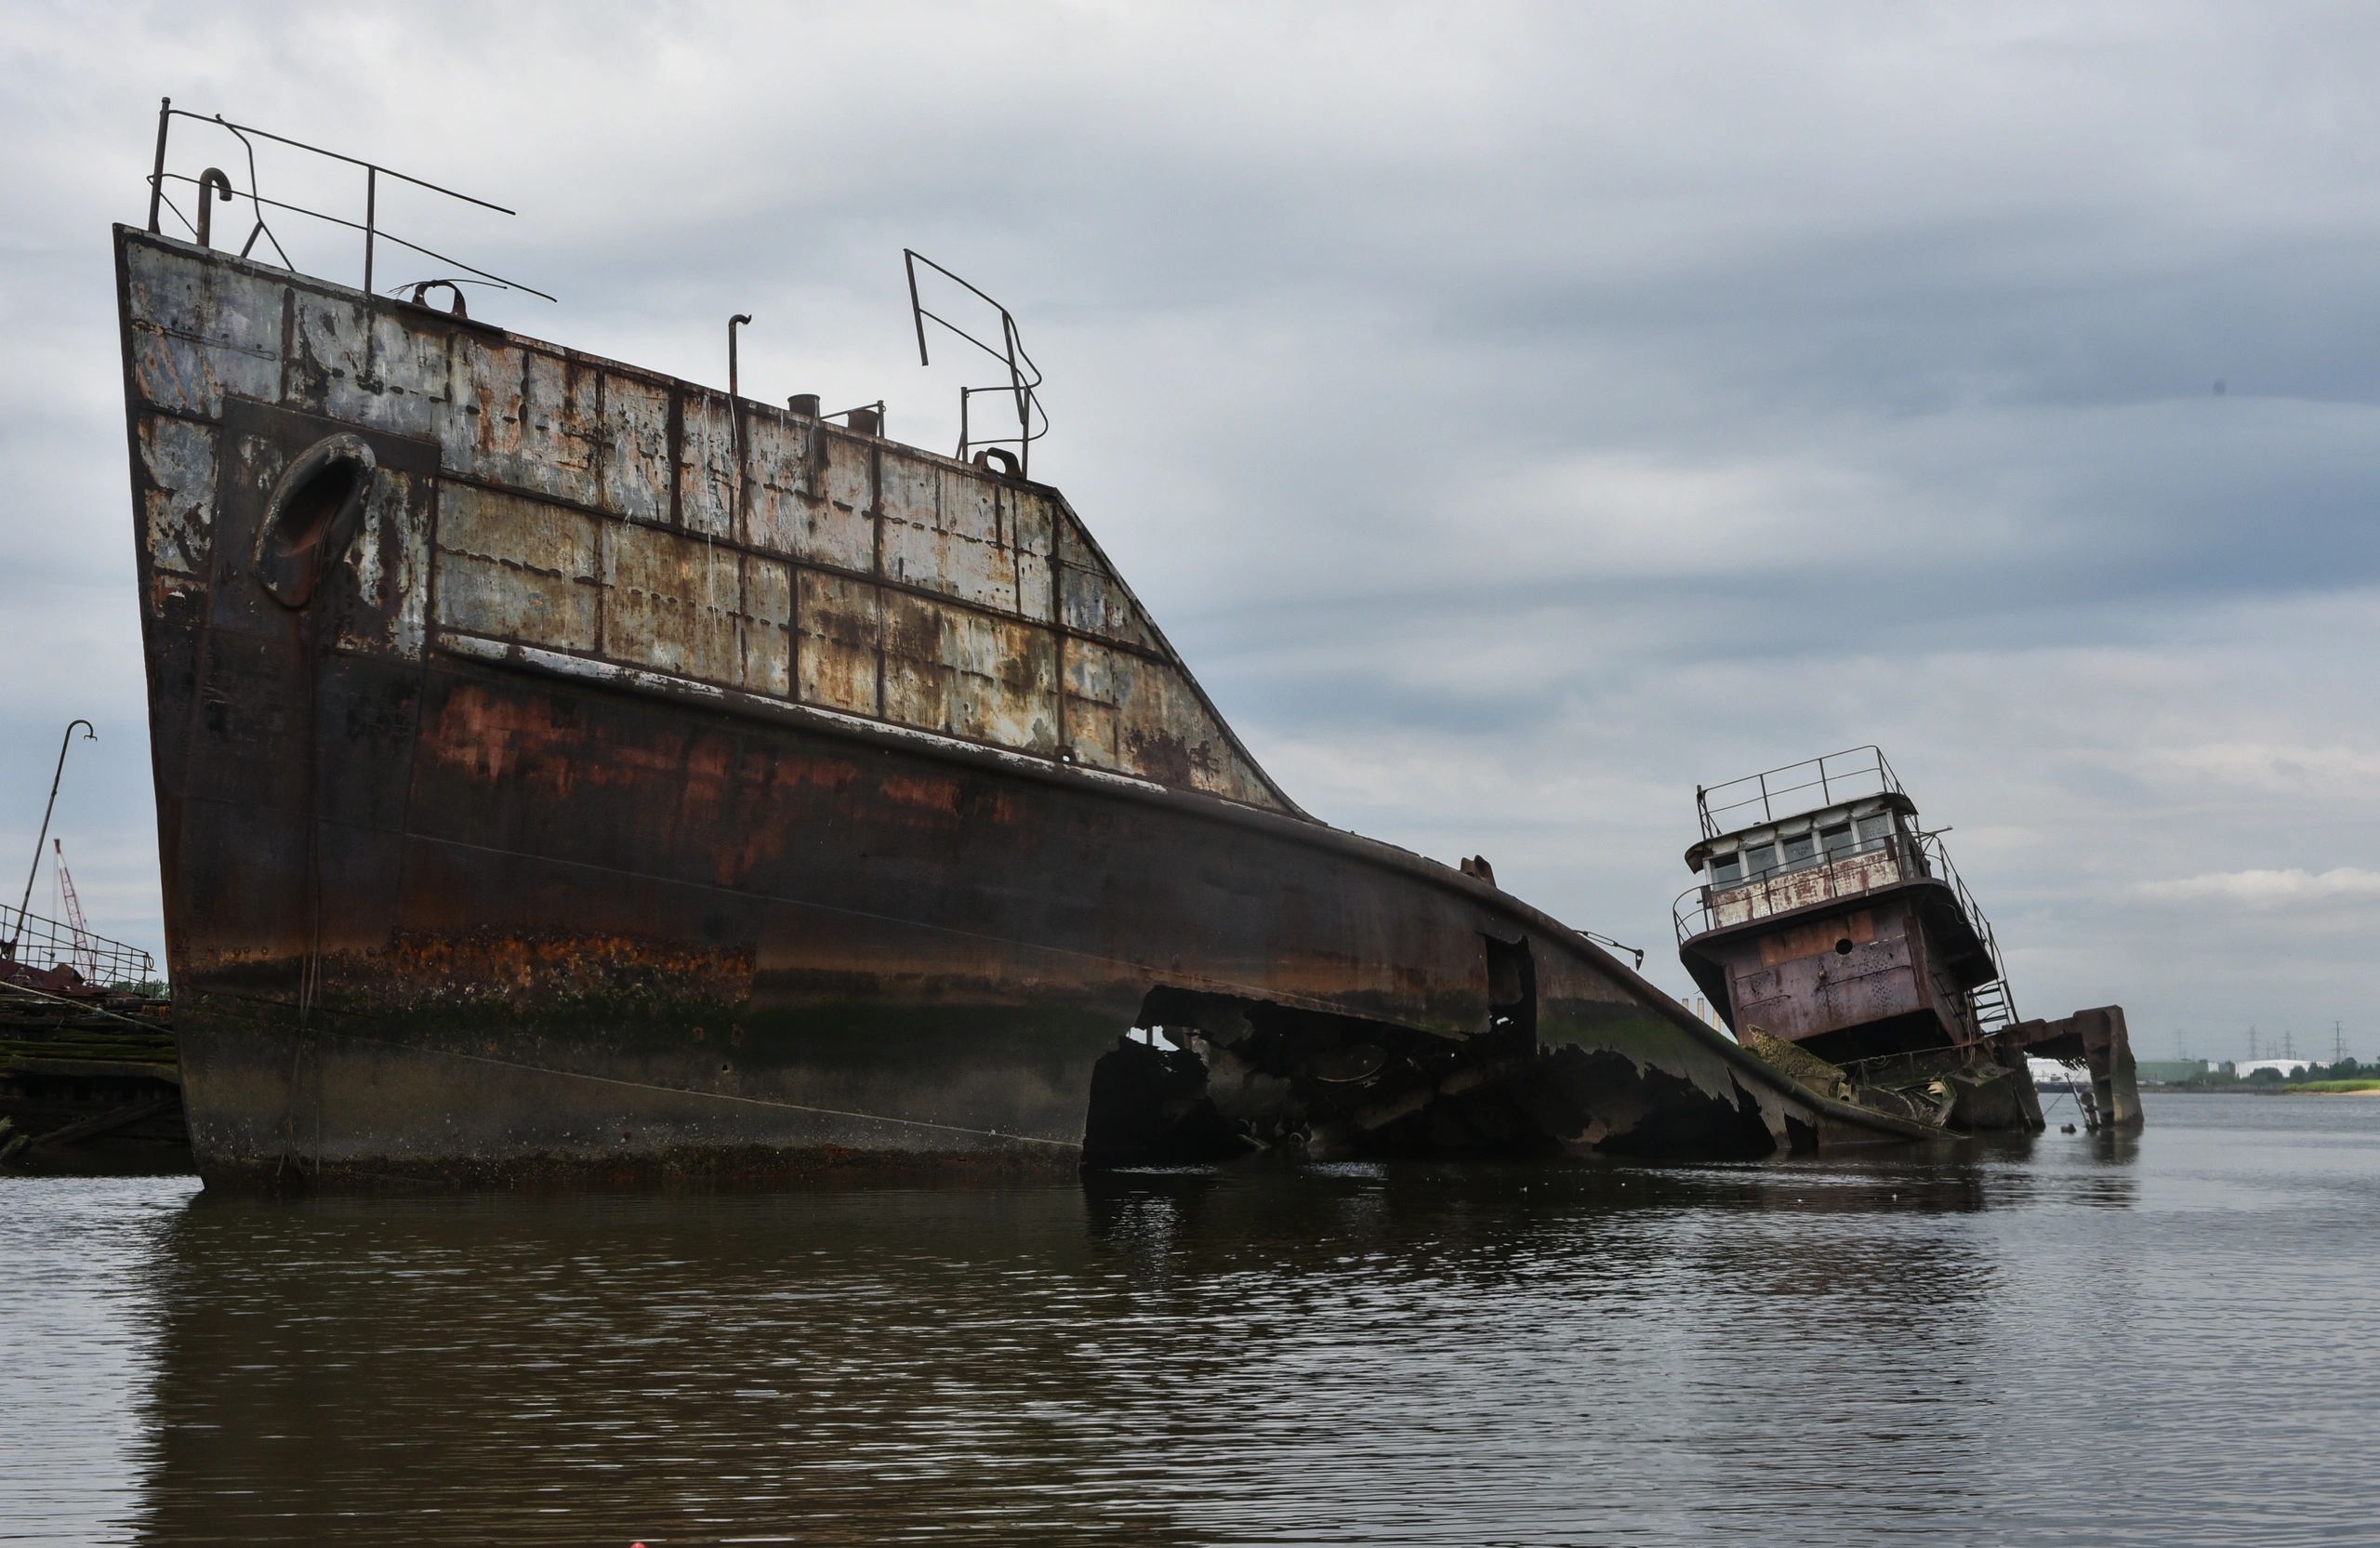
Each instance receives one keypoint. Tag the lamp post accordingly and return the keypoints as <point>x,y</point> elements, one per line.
<point>59,773</point>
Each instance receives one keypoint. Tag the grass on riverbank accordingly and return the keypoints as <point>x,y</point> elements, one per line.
<point>2332,1087</point>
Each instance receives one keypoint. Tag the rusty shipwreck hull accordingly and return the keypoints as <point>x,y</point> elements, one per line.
<point>844,951</point>
<point>567,772</point>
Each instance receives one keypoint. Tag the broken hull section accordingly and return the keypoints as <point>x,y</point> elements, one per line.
<point>540,799</point>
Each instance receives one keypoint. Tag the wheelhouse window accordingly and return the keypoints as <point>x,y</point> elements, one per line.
<point>1874,829</point>
<point>1800,849</point>
<point>1835,839</point>
<point>1727,869</point>
<point>1759,858</point>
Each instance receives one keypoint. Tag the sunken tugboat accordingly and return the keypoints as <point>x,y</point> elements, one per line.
<point>565,771</point>
<point>1834,936</point>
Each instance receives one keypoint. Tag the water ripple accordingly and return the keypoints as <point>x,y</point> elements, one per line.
<point>2064,1341</point>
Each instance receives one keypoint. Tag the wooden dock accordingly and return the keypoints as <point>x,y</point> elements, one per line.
<point>89,1082</point>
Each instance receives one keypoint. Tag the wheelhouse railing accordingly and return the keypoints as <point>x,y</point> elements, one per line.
<point>1789,791</point>
<point>1837,877</point>
<point>1784,888</point>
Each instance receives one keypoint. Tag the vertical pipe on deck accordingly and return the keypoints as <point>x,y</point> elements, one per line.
<point>157,175</point>
<point>371,215</point>
<point>734,431</point>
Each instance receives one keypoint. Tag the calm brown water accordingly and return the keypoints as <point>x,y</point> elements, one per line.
<point>2171,1340</point>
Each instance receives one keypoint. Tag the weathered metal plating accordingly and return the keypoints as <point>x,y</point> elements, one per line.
<point>654,781</point>
<point>1831,931</point>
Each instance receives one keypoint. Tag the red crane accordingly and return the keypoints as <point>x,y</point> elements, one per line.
<point>83,954</point>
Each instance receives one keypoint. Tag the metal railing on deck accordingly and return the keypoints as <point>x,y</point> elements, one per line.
<point>214,187</point>
<point>1780,889</point>
<point>1813,784</point>
<point>1783,890</point>
<point>1022,388</point>
<point>30,940</point>
<point>1937,863</point>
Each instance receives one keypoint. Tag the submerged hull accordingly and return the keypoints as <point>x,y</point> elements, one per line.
<point>538,799</point>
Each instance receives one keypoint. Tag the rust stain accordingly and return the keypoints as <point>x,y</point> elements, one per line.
<point>536,970</point>
<point>922,792</point>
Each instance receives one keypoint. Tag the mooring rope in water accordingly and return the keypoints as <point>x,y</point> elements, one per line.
<point>583,1074</point>
<point>2075,1070</point>
<point>688,1090</point>
<point>1905,1054</point>
<point>83,1005</point>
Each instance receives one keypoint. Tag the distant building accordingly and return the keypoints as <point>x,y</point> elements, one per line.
<point>2287,1067</point>
<point>2168,1072</point>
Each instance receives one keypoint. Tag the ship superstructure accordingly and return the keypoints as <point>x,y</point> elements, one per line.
<point>1831,920</point>
<point>1829,916</point>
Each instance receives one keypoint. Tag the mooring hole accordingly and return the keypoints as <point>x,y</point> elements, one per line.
<point>300,518</point>
<point>1842,946</point>
<point>313,512</point>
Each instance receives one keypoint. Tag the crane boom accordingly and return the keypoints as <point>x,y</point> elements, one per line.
<point>82,954</point>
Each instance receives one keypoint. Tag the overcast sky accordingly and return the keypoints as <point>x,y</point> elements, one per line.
<point>1516,415</point>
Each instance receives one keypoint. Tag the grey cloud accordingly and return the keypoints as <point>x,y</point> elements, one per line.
<point>1516,415</point>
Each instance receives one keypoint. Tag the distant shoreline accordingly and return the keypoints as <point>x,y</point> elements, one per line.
<point>2309,1088</point>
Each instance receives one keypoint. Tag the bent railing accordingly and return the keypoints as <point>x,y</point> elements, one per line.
<point>214,187</point>
<point>1022,388</point>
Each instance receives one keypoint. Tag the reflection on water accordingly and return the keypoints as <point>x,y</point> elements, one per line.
<point>2055,1341</point>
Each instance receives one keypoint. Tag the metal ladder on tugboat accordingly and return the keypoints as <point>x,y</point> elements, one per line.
<point>1993,1007</point>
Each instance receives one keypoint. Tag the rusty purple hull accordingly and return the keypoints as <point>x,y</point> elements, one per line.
<point>568,773</point>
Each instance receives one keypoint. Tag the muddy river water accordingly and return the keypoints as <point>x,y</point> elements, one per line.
<point>2168,1340</point>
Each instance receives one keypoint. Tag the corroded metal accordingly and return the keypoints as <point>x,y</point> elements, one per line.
<point>2099,1041</point>
<point>655,782</point>
<point>1831,927</point>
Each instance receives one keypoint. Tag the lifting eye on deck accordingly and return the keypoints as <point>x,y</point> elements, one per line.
<point>421,289</point>
<point>312,516</point>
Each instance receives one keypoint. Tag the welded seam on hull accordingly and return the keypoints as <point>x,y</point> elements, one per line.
<point>478,647</point>
<point>1148,972</point>
<point>1171,657</point>
<point>688,1090</point>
